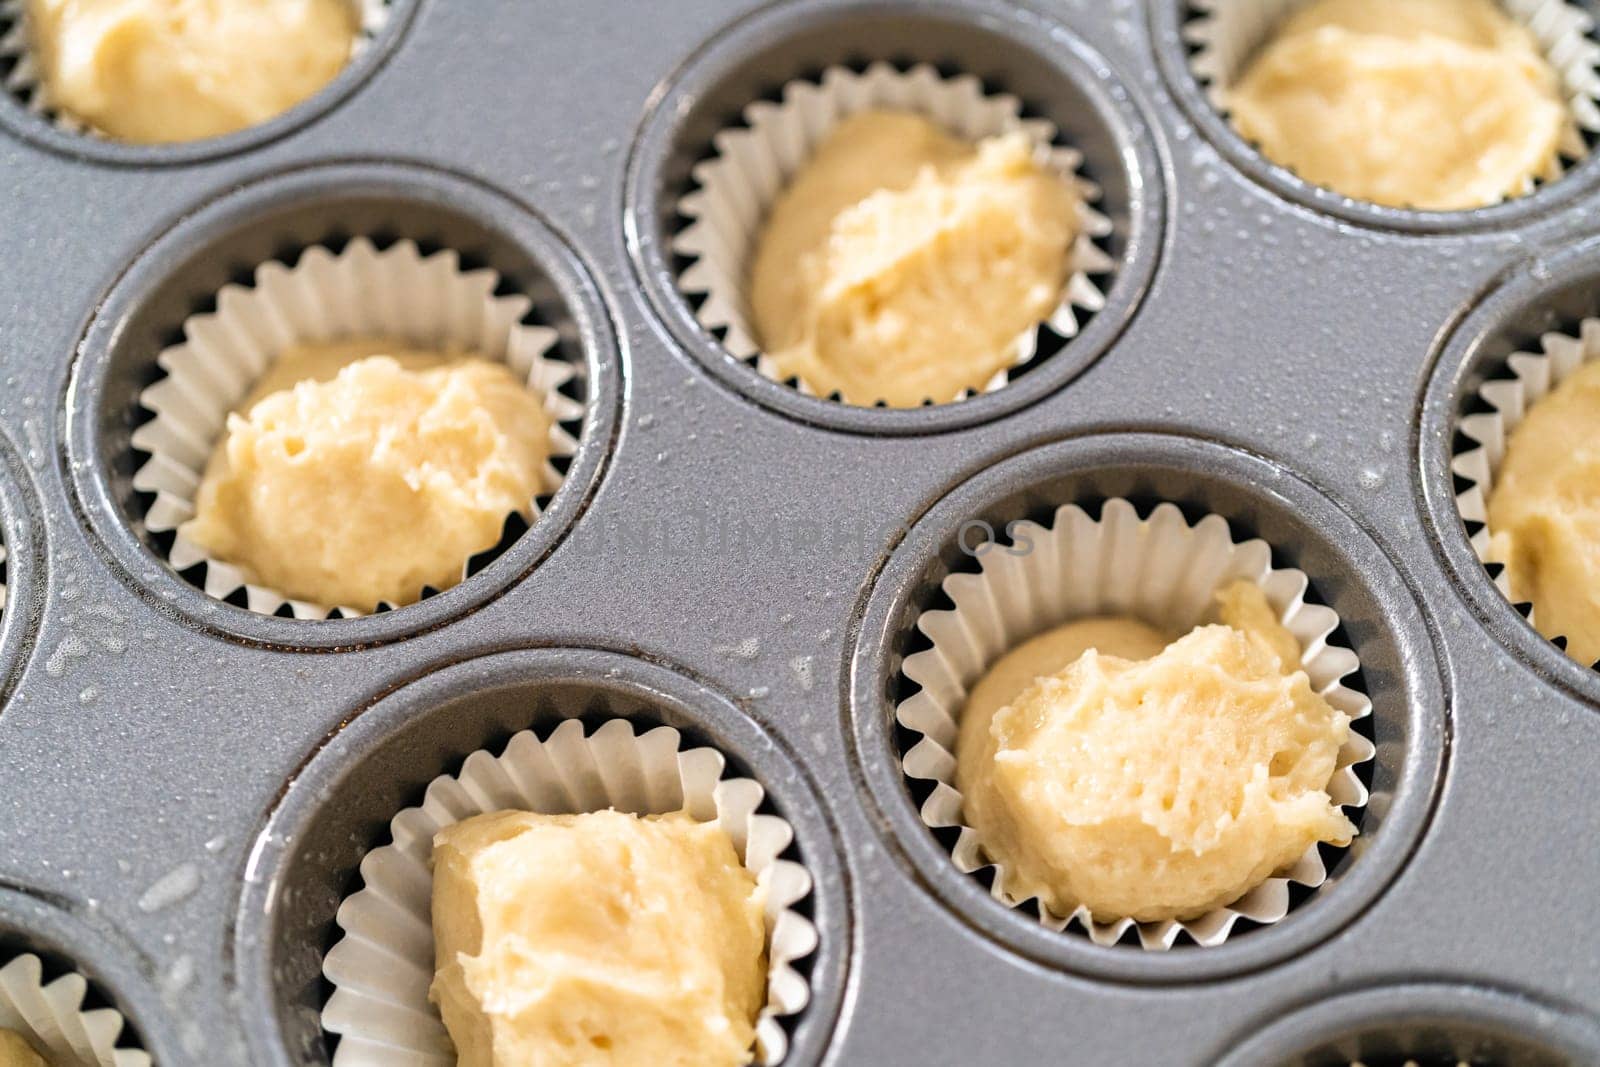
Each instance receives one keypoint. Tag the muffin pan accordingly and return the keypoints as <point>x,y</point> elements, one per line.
<point>188,786</point>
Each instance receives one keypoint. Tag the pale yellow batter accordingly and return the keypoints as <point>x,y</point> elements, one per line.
<point>1149,780</point>
<point>597,940</point>
<point>1433,104</point>
<point>152,71</point>
<point>1544,513</point>
<point>16,1052</point>
<point>1050,653</point>
<point>901,264</point>
<point>358,473</point>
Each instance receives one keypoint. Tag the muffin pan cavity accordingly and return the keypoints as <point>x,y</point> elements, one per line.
<point>959,63</point>
<point>1539,309</point>
<point>26,111</point>
<point>307,857</point>
<point>1426,1023</point>
<point>131,415</point>
<point>1202,44</point>
<point>19,559</point>
<point>65,988</point>
<point>1346,572</point>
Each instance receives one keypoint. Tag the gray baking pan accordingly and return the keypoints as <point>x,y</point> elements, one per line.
<point>186,787</point>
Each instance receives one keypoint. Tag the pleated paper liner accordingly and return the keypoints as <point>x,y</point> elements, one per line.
<point>1483,437</point>
<point>1224,35</point>
<point>52,1018</point>
<point>1161,570</point>
<point>752,164</point>
<point>360,292</point>
<point>21,74</point>
<point>383,965</point>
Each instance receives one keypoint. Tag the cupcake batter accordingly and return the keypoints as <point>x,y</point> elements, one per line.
<point>16,1052</point>
<point>1050,653</point>
<point>152,71</point>
<point>596,940</point>
<point>358,473</point>
<point>1151,780</point>
<point>1434,104</point>
<point>1544,513</point>
<point>902,264</point>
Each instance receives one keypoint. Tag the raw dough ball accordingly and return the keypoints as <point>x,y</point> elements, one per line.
<point>151,71</point>
<point>16,1052</point>
<point>351,479</point>
<point>1544,513</point>
<point>902,264</point>
<point>1147,782</point>
<point>1434,104</point>
<point>602,939</point>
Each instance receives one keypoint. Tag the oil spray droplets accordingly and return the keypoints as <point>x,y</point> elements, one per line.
<point>174,887</point>
<point>747,649</point>
<point>179,976</point>
<point>91,629</point>
<point>34,437</point>
<point>95,628</point>
<point>801,666</point>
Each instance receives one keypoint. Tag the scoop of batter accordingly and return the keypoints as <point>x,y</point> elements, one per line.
<point>151,71</point>
<point>1048,654</point>
<point>901,264</point>
<point>357,474</point>
<point>597,940</point>
<point>1544,513</point>
<point>1149,780</point>
<point>1432,104</point>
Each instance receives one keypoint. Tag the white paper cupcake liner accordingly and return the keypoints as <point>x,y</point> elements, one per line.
<point>753,164</point>
<point>52,1019</point>
<point>383,966</point>
<point>1160,570</point>
<point>398,294</point>
<point>23,81</point>
<point>1533,376</point>
<point>1226,34</point>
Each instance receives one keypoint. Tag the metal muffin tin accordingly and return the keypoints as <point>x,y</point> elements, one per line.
<point>746,563</point>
